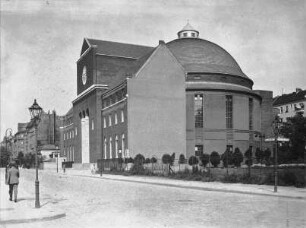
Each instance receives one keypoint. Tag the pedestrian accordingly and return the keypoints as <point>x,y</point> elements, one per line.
<point>13,181</point>
<point>64,166</point>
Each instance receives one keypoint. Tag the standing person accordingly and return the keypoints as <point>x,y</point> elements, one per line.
<point>13,181</point>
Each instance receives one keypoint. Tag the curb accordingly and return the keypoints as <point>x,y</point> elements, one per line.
<point>46,218</point>
<point>196,188</point>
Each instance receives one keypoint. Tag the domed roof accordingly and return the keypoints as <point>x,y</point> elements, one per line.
<point>202,56</point>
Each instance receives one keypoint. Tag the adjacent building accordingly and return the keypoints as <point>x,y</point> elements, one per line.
<point>290,104</point>
<point>187,96</point>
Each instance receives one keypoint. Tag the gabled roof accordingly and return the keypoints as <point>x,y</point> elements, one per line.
<point>290,98</point>
<point>119,49</point>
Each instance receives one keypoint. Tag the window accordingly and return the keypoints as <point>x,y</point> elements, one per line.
<point>286,108</point>
<point>185,34</point>
<point>193,34</point>
<point>123,146</point>
<point>110,120</point>
<point>64,136</point>
<point>229,148</point>
<point>122,116</point>
<point>76,131</point>
<point>198,150</point>
<point>105,147</point>
<point>92,125</point>
<point>116,146</point>
<point>229,112</point>
<point>198,110</point>
<point>110,148</point>
<point>72,134</point>
<point>281,110</point>
<point>104,122</point>
<point>302,105</point>
<point>250,114</point>
<point>116,118</point>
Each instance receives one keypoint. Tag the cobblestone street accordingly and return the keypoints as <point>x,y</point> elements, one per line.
<point>100,202</point>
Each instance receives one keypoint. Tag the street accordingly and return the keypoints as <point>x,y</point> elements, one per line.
<point>99,202</point>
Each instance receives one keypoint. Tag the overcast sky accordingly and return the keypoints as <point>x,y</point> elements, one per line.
<point>41,42</point>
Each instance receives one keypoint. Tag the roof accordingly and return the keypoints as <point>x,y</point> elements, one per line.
<point>119,49</point>
<point>290,98</point>
<point>188,27</point>
<point>198,55</point>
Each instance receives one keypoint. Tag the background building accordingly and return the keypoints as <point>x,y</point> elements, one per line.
<point>289,104</point>
<point>187,96</point>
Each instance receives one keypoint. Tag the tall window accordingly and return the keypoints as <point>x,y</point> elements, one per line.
<point>123,146</point>
<point>122,116</point>
<point>110,148</point>
<point>116,146</point>
<point>105,147</point>
<point>110,120</point>
<point>104,122</point>
<point>198,110</point>
<point>250,114</point>
<point>198,150</point>
<point>116,118</point>
<point>229,111</point>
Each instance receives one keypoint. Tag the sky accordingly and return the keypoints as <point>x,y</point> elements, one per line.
<point>41,42</point>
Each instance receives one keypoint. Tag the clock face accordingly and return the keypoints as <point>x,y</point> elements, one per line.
<point>84,75</point>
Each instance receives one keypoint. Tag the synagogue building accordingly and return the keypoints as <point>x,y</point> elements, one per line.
<point>187,96</point>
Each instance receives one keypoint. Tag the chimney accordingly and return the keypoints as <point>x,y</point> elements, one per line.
<point>161,42</point>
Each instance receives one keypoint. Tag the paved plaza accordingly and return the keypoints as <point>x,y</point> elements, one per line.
<point>80,199</point>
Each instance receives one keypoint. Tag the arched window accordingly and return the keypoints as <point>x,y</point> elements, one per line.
<point>123,146</point>
<point>105,147</point>
<point>116,118</point>
<point>116,146</point>
<point>110,120</point>
<point>122,116</point>
<point>110,148</point>
<point>104,122</point>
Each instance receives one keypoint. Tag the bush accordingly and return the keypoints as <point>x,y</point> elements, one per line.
<point>139,158</point>
<point>182,159</point>
<point>148,160</point>
<point>248,156</point>
<point>153,160</point>
<point>237,157</point>
<point>215,158</point>
<point>259,154</point>
<point>227,158</point>
<point>137,169</point>
<point>204,158</point>
<point>193,160</point>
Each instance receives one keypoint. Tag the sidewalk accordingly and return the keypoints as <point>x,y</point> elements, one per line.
<point>24,210</point>
<point>264,190</point>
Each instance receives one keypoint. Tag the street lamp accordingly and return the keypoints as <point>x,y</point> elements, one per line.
<point>6,137</point>
<point>35,112</point>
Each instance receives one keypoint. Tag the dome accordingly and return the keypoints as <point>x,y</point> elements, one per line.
<point>201,56</point>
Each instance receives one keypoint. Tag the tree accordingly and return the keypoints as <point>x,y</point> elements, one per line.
<point>237,157</point>
<point>259,154</point>
<point>193,160</point>
<point>20,158</point>
<point>167,160</point>
<point>182,160</point>
<point>138,168</point>
<point>153,160</point>
<point>215,158</point>
<point>267,156</point>
<point>147,161</point>
<point>204,158</point>
<point>295,130</point>
<point>139,159</point>
<point>4,157</point>
<point>227,158</point>
<point>248,156</point>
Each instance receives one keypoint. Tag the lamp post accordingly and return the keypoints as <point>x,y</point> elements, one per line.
<point>35,112</point>
<point>276,123</point>
<point>6,137</point>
